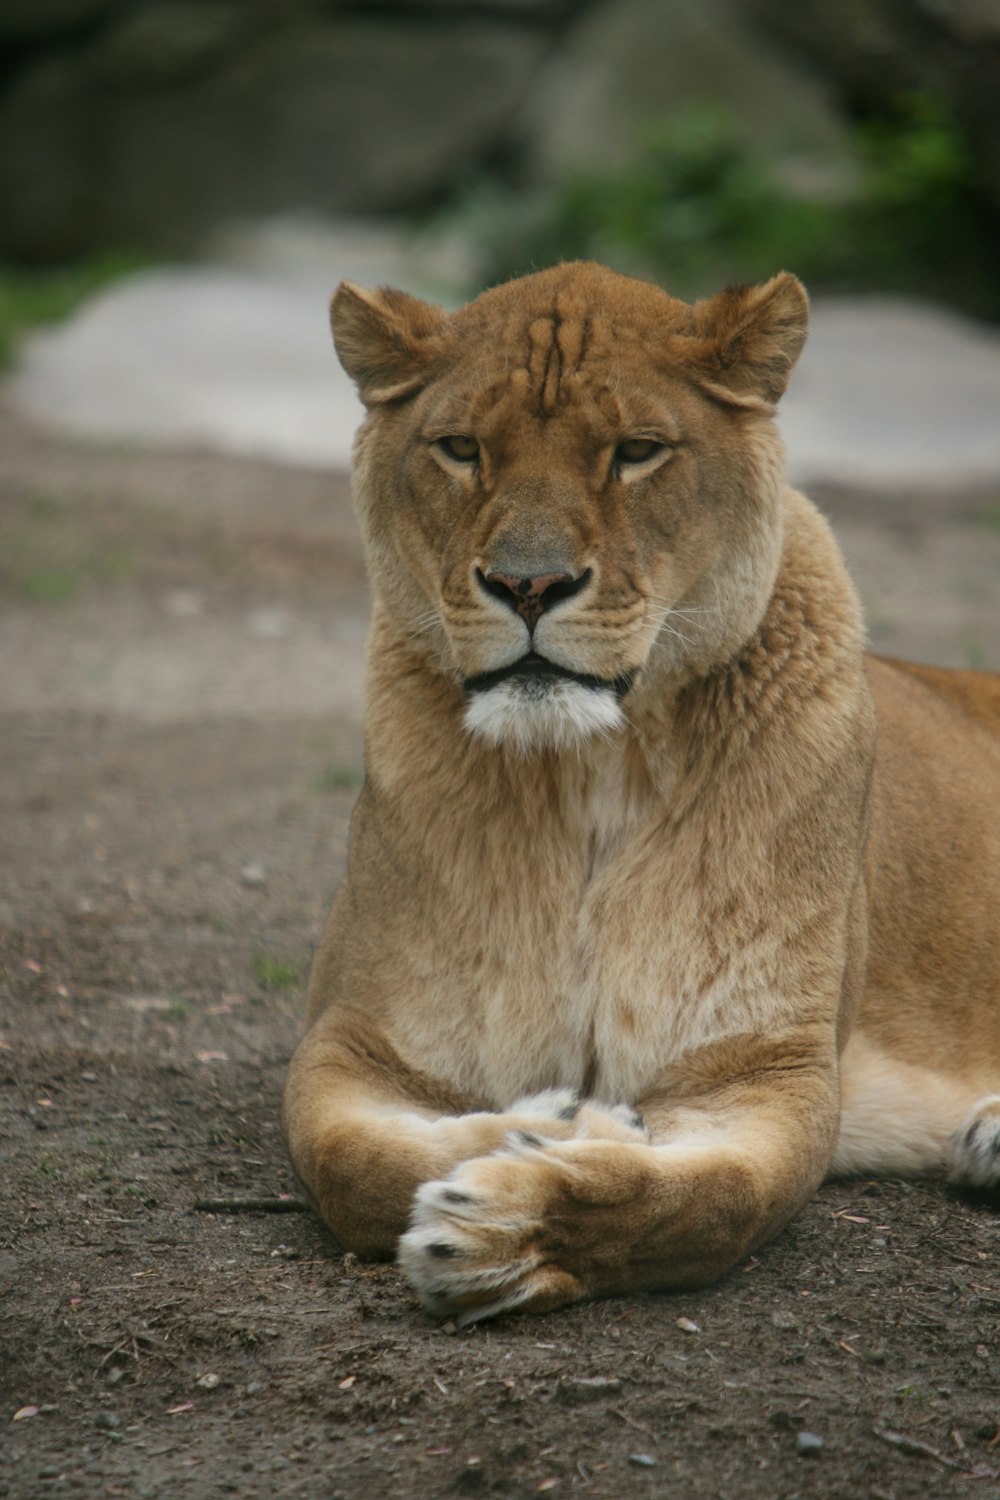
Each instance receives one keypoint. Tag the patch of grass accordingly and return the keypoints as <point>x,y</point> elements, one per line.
<point>50,585</point>
<point>989,517</point>
<point>910,1393</point>
<point>275,973</point>
<point>29,296</point>
<point>339,778</point>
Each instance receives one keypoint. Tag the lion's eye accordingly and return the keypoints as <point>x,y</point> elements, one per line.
<point>460,447</point>
<point>636,450</point>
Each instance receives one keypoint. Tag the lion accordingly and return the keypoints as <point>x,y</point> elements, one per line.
<point>664,901</point>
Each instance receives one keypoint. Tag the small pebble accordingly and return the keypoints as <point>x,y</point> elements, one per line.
<point>808,1445</point>
<point>253,874</point>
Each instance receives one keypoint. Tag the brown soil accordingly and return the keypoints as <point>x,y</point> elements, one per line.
<point>180,747</point>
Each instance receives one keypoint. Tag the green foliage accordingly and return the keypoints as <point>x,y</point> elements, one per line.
<point>274,973</point>
<point>700,207</point>
<point>915,224</point>
<point>30,296</point>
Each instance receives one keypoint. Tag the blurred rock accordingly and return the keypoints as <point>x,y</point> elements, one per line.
<point>197,357</point>
<point>626,64</point>
<point>177,117</point>
<point>28,20</point>
<point>893,393</point>
<point>172,42</point>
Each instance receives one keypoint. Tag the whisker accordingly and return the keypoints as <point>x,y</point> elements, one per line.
<point>679,609</point>
<point>660,623</point>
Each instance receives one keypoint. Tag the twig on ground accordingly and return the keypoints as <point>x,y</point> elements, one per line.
<point>927,1450</point>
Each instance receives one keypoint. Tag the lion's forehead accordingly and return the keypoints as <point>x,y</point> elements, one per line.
<point>570,360</point>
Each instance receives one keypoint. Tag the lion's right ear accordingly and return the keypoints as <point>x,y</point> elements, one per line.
<point>385,340</point>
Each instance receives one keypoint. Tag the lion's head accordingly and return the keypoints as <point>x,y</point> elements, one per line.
<point>570,485</point>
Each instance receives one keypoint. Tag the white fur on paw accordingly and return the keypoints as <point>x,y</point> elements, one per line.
<point>587,1119</point>
<point>553,1104</point>
<point>438,1254</point>
<point>974,1149</point>
<point>615,1122</point>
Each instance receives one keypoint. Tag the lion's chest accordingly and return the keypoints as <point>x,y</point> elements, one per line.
<point>585,969</point>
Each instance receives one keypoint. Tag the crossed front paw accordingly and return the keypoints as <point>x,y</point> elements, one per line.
<point>478,1242</point>
<point>565,1114</point>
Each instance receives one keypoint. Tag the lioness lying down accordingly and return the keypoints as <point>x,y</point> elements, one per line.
<point>663,900</point>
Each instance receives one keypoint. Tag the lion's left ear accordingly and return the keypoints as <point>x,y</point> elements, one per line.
<point>751,336</point>
<point>385,340</point>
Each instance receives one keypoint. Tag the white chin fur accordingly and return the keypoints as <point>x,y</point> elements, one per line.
<point>526,715</point>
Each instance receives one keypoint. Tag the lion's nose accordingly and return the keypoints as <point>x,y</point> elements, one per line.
<point>531,597</point>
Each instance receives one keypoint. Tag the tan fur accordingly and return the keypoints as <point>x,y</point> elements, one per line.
<point>757,900</point>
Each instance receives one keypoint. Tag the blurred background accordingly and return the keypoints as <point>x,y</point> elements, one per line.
<point>263,149</point>
<point>859,142</point>
<point>273,146</point>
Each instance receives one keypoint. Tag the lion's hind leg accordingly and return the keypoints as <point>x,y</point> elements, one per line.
<point>974,1149</point>
<point>899,1118</point>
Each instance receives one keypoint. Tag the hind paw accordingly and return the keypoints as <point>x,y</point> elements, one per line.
<point>974,1149</point>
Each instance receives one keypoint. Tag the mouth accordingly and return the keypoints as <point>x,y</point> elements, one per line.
<point>538,669</point>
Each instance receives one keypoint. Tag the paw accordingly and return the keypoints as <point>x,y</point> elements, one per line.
<point>476,1245</point>
<point>974,1149</point>
<point>564,1114</point>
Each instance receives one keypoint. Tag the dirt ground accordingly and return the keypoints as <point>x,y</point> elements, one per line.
<point>181,745</point>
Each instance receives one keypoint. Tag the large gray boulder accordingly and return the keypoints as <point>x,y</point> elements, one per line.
<point>176,117</point>
<point>626,65</point>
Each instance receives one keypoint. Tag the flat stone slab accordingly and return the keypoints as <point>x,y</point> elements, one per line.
<point>888,393</point>
<point>197,357</point>
<point>894,393</point>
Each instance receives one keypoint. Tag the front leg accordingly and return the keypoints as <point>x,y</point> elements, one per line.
<point>365,1130</point>
<point>740,1137</point>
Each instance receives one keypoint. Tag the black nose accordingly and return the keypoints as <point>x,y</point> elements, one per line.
<point>531,597</point>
